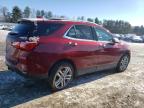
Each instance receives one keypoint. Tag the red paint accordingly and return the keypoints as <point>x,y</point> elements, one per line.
<point>37,59</point>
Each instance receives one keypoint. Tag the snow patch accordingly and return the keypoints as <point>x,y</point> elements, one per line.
<point>2,58</point>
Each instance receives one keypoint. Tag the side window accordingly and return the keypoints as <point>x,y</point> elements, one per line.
<point>44,29</point>
<point>71,33</point>
<point>102,35</point>
<point>83,32</point>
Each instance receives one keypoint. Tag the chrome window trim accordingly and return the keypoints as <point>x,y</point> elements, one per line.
<point>65,36</point>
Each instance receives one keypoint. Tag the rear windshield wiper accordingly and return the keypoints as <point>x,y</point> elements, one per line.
<point>13,33</point>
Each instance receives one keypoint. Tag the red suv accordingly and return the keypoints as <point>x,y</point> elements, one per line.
<point>59,50</point>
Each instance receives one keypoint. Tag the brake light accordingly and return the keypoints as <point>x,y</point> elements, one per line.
<point>27,45</point>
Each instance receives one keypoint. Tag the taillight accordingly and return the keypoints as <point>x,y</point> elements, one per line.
<point>27,45</point>
<point>16,44</point>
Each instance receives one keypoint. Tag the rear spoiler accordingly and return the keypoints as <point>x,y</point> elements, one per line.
<point>28,21</point>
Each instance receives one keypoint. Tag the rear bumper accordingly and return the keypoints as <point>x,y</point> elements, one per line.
<point>13,68</point>
<point>16,68</point>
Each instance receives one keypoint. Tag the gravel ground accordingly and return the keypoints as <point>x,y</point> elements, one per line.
<point>104,89</point>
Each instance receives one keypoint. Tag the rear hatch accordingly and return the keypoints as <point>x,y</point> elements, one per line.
<point>21,33</point>
<point>25,37</point>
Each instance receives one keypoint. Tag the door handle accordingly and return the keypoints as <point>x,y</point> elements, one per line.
<point>104,46</point>
<point>71,44</point>
<point>101,46</point>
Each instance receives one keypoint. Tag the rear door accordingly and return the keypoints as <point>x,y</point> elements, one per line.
<point>84,48</point>
<point>109,55</point>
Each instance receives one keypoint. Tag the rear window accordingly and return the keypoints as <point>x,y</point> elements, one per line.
<point>23,28</point>
<point>41,29</point>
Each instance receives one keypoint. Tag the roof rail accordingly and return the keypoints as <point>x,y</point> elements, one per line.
<point>32,19</point>
<point>58,19</point>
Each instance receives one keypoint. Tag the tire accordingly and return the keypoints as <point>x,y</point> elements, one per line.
<point>123,63</point>
<point>61,75</point>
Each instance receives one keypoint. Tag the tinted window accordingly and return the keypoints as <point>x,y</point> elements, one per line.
<point>41,29</point>
<point>44,29</point>
<point>23,28</point>
<point>102,35</point>
<point>83,32</point>
<point>71,33</point>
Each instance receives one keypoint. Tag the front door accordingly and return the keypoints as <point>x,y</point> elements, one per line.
<point>110,53</point>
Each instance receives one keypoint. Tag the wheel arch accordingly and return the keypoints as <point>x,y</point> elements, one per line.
<point>127,52</point>
<point>124,53</point>
<point>64,60</point>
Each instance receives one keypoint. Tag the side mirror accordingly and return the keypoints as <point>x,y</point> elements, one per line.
<point>116,40</point>
<point>113,41</point>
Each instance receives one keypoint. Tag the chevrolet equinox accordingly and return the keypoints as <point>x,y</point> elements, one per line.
<point>60,50</point>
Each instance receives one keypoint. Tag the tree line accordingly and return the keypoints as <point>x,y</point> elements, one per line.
<point>115,26</point>
<point>17,13</point>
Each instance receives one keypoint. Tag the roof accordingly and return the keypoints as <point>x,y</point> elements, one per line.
<point>58,21</point>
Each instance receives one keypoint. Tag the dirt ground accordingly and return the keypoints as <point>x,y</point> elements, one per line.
<point>104,89</point>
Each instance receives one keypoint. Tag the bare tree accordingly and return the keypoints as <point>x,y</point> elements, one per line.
<point>33,13</point>
<point>4,12</point>
<point>26,12</point>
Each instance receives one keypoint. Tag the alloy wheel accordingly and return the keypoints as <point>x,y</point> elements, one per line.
<point>62,77</point>
<point>124,63</point>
